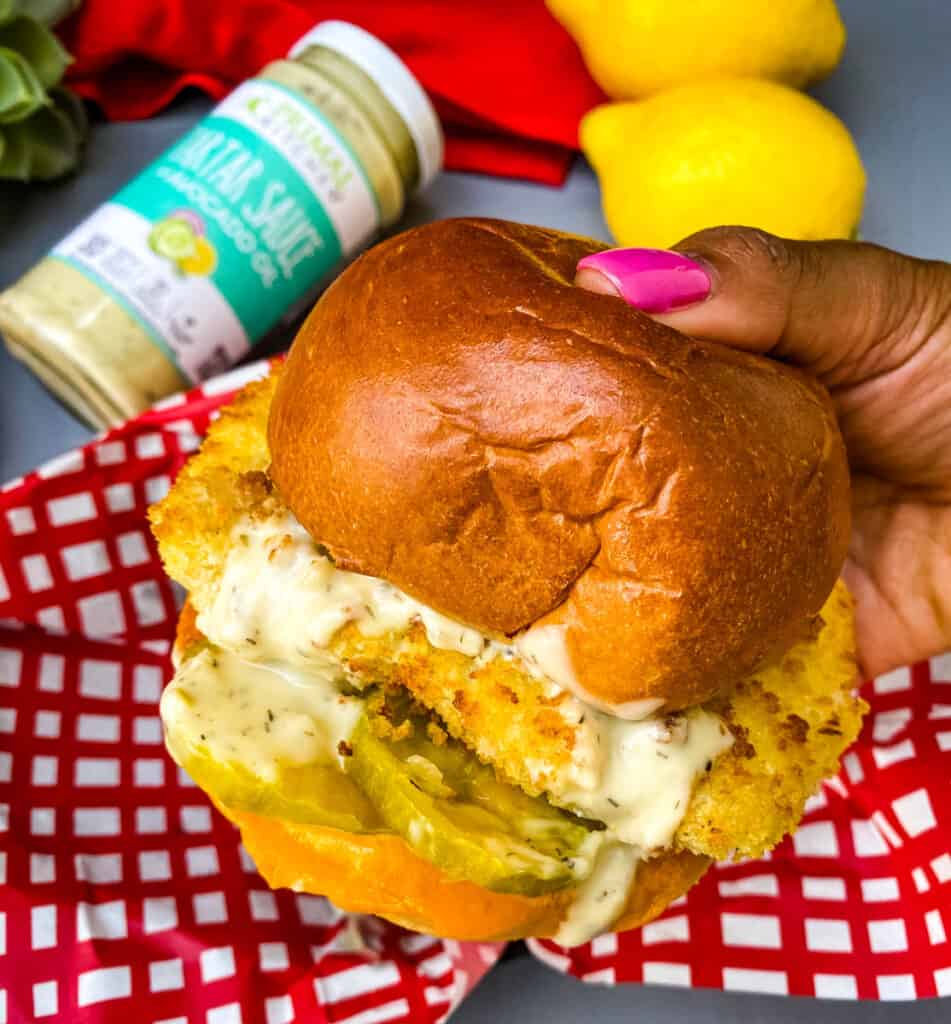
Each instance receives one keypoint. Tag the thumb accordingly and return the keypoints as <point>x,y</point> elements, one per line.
<point>847,311</point>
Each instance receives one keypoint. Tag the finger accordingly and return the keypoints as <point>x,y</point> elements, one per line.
<point>845,310</point>
<point>898,570</point>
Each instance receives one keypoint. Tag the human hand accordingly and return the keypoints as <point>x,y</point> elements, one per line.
<point>875,327</point>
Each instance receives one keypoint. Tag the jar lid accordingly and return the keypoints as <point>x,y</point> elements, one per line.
<point>395,80</point>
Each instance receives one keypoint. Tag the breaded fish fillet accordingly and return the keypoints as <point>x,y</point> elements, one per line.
<point>790,722</point>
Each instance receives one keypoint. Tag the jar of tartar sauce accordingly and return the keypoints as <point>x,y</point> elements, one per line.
<point>230,231</point>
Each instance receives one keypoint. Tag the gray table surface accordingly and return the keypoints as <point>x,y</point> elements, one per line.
<point>893,90</point>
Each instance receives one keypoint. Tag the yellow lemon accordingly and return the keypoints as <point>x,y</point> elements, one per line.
<point>731,151</point>
<point>637,47</point>
<point>202,261</point>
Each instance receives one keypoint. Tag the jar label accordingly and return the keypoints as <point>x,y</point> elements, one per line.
<point>235,224</point>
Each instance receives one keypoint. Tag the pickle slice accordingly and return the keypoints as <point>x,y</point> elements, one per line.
<point>258,742</point>
<point>456,814</point>
<point>310,794</point>
<point>263,740</point>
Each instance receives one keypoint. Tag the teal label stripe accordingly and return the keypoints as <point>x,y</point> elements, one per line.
<point>272,238</point>
<point>119,300</point>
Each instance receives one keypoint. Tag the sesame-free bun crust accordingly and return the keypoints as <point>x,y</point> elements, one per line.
<point>458,418</point>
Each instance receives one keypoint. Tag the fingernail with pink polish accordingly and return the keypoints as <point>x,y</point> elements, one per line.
<point>654,280</point>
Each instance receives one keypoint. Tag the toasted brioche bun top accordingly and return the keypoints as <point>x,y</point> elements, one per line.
<point>458,418</point>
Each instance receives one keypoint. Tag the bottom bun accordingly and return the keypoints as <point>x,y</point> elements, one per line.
<point>379,874</point>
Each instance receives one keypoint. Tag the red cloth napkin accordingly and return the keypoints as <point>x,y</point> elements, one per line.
<point>506,79</point>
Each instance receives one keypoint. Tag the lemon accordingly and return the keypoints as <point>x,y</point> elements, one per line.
<point>201,261</point>
<point>731,151</point>
<point>637,47</point>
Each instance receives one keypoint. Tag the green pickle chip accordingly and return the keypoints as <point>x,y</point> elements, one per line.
<point>309,794</point>
<point>455,813</point>
<point>448,806</point>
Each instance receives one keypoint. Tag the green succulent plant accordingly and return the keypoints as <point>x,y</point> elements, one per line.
<point>42,124</point>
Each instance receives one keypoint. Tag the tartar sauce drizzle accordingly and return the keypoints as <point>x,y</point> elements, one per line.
<point>255,715</point>
<point>280,598</point>
<point>278,604</point>
<point>546,648</point>
<point>638,777</point>
<point>601,897</point>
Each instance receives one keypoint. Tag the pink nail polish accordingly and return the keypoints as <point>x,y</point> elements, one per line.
<point>654,280</point>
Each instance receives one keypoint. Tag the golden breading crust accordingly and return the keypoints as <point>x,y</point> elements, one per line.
<point>791,721</point>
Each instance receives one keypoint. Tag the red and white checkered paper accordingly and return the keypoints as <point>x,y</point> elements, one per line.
<point>127,898</point>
